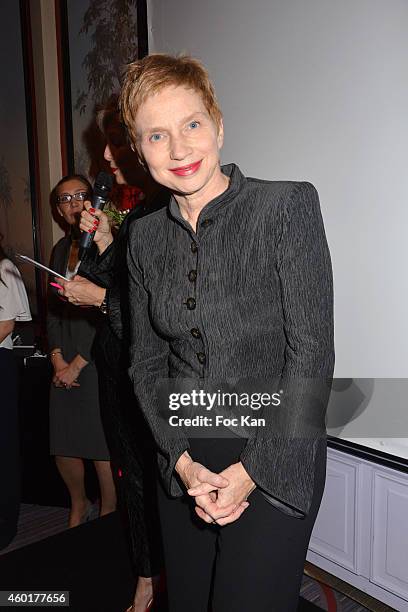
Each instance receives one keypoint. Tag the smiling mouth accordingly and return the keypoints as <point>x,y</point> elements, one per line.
<point>187,170</point>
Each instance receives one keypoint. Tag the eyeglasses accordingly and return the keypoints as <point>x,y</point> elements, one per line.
<point>66,198</point>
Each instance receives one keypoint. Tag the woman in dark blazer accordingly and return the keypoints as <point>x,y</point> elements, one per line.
<point>76,431</point>
<point>230,288</point>
<point>102,281</point>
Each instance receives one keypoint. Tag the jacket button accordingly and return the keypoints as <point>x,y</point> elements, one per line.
<point>206,222</point>
<point>195,333</point>
<point>201,357</point>
<point>191,303</point>
<point>194,247</point>
<point>192,276</point>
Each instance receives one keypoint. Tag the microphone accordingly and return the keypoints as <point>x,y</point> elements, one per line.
<point>101,193</point>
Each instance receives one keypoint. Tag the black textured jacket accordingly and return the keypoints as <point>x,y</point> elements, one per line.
<point>247,296</point>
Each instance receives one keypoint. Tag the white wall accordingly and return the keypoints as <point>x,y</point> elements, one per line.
<point>317,90</point>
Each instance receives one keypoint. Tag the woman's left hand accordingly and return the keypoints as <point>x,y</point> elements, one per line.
<point>68,374</point>
<point>81,292</point>
<point>235,494</point>
<point>67,377</point>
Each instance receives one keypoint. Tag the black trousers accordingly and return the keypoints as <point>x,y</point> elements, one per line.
<point>254,563</point>
<point>9,449</point>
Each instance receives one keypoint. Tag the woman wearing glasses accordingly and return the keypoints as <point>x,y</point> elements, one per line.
<point>76,431</point>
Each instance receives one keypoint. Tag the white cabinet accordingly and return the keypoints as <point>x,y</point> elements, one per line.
<point>334,533</point>
<point>361,532</point>
<point>389,561</point>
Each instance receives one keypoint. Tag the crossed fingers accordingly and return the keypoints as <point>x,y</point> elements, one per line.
<point>223,518</point>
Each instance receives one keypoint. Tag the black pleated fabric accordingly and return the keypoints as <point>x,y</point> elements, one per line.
<point>130,443</point>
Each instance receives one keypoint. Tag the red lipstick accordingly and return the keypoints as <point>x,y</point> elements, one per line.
<point>187,170</point>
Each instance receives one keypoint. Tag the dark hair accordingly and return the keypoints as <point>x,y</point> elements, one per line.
<point>108,116</point>
<point>53,196</point>
<point>70,177</point>
<point>108,113</point>
<point>109,121</point>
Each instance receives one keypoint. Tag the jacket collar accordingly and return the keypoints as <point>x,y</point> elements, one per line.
<point>218,204</point>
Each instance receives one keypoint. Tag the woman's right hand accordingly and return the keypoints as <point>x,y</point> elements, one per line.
<point>194,474</point>
<point>81,292</point>
<point>94,220</point>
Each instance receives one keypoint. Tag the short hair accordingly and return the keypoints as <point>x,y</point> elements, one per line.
<point>148,76</point>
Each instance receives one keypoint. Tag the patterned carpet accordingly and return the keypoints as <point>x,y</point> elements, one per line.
<point>39,522</point>
<point>36,523</point>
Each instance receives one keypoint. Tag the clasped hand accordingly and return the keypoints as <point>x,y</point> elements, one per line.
<point>65,374</point>
<point>220,498</point>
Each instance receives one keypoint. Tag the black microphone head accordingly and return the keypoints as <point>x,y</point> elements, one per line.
<point>103,184</point>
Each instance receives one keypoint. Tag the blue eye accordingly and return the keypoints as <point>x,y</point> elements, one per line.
<point>194,125</point>
<point>155,137</point>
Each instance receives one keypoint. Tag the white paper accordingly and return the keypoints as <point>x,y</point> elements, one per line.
<point>39,265</point>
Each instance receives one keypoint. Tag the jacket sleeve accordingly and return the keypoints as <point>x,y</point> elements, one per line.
<point>108,270</point>
<point>99,269</point>
<point>280,458</point>
<point>149,371</point>
<point>117,293</point>
<point>102,271</point>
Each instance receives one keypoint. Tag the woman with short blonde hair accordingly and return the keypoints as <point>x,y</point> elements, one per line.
<point>232,282</point>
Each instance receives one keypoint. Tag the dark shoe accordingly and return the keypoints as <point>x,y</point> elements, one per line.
<point>91,513</point>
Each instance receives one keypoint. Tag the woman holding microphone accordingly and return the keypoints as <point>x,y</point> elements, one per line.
<point>102,282</point>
